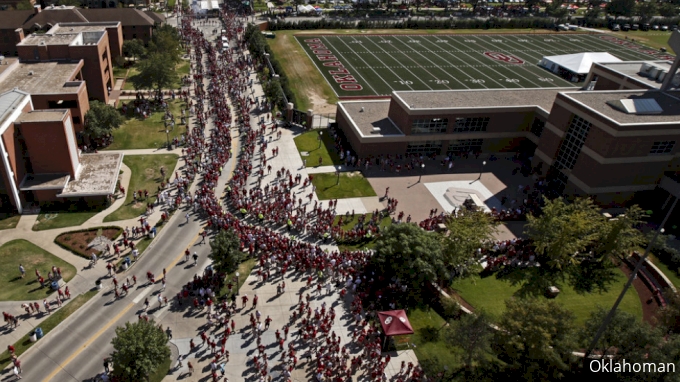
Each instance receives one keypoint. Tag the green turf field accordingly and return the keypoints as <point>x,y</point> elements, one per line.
<point>360,65</point>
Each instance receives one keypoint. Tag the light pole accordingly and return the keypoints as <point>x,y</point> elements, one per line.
<point>167,137</point>
<point>481,170</point>
<point>319,138</point>
<point>237,275</point>
<point>422,167</point>
<point>337,172</point>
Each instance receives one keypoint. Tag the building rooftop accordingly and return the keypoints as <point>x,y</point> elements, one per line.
<point>466,99</point>
<point>44,182</point>
<point>9,101</point>
<point>598,102</point>
<point>631,69</point>
<point>372,118</point>
<point>41,77</point>
<point>97,176</point>
<point>47,39</point>
<point>46,115</point>
<point>74,28</point>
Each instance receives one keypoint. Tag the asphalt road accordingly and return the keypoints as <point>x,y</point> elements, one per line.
<point>75,350</point>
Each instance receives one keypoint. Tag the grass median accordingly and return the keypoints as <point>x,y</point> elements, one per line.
<point>145,175</point>
<point>66,215</point>
<point>47,325</point>
<point>32,257</point>
<point>346,185</point>
<point>308,143</point>
<point>149,133</point>
<point>9,220</point>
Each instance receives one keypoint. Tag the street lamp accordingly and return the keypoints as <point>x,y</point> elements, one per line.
<point>319,138</point>
<point>337,172</point>
<point>481,170</point>
<point>422,166</point>
<point>167,137</point>
<point>237,275</point>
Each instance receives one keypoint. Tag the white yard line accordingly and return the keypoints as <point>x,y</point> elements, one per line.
<point>438,66</point>
<point>390,86</point>
<point>346,63</point>
<point>397,61</point>
<point>446,38</point>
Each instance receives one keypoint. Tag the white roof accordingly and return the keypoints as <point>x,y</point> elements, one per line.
<point>579,63</point>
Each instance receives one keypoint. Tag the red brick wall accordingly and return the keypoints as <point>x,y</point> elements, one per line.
<point>47,147</point>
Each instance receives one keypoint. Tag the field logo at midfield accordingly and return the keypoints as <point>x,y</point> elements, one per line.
<point>337,69</point>
<point>507,58</point>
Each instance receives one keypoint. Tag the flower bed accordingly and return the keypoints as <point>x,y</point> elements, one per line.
<point>78,241</point>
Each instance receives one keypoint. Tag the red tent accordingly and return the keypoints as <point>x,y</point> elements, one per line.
<point>395,323</point>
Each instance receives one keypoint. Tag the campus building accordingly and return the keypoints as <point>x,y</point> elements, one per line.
<point>616,136</point>
<point>134,23</point>
<point>41,162</point>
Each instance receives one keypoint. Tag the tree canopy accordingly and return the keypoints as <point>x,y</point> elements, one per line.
<point>134,48</point>
<point>575,244</point>
<point>621,8</point>
<point>469,230</point>
<point>138,349</point>
<point>473,334</point>
<point>157,71</point>
<point>101,119</point>
<point>166,41</point>
<point>410,257</point>
<point>23,5</point>
<point>225,251</point>
<point>536,338</point>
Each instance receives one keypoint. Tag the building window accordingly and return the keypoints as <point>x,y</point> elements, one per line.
<point>429,126</point>
<point>662,147</point>
<point>424,147</point>
<point>76,120</point>
<point>465,146</point>
<point>537,127</point>
<point>573,143</point>
<point>470,124</point>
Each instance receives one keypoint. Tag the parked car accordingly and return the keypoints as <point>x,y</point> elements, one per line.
<point>572,27</point>
<point>675,27</point>
<point>664,27</point>
<point>625,27</point>
<point>655,27</point>
<point>635,27</point>
<point>616,27</point>
<point>562,27</point>
<point>645,27</point>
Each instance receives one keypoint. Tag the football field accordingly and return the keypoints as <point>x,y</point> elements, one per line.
<point>361,65</point>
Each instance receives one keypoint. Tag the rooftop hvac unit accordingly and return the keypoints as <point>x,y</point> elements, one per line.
<point>654,72</point>
<point>662,75</point>
<point>644,68</point>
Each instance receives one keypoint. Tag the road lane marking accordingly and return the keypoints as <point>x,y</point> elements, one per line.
<point>87,343</point>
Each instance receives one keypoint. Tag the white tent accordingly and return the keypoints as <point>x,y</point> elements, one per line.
<point>578,63</point>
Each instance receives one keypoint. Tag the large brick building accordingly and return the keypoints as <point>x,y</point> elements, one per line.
<point>134,23</point>
<point>612,141</point>
<point>40,161</point>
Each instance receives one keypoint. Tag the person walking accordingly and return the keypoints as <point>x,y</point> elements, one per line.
<point>22,270</point>
<point>146,304</point>
<point>195,258</point>
<point>191,368</point>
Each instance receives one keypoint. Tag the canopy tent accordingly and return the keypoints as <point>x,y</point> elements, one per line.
<point>395,323</point>
<point>576,66</point>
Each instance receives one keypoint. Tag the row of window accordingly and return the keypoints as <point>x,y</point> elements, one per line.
<point>438,125</point>
<point>456,146</point>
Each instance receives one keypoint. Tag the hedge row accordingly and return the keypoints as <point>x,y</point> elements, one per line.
<point>258,47</point>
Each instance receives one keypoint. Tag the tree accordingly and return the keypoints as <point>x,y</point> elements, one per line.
<point>531,4</point>
<point>138,349</point>
<point>621,8</point>
<point>575,243</point>
<point>133,48</point>
<point>668,10</point>
<point>74,3</point>
<point>411,258</point>
<point>469,230</point>
<point>225,251</point>
<point>536,338</point>
<point>645,10</point>
<point>24,5</point>
<point>101,119</point>
<point>165,40</point>
<point>472,334</point>
<point>157,71</point>
<point>556,10</point>
<point>669,316</point>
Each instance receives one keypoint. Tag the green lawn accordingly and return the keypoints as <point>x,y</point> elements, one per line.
<point>348,224</point>
<point>9,220</point>
<point>161,371</point>
<point>65,216</point>
<point>31,257</point>
<point>48,325</point>
<point>309,142</point>
<point>351,185</point>
<point>490,293</point>
<point>145,176</point>
<point>244,270</point>
<point>119,72</point>
<point>428,340</point>
<point>654,39</point>
<point>672,275</point>
<point>149,133</point>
